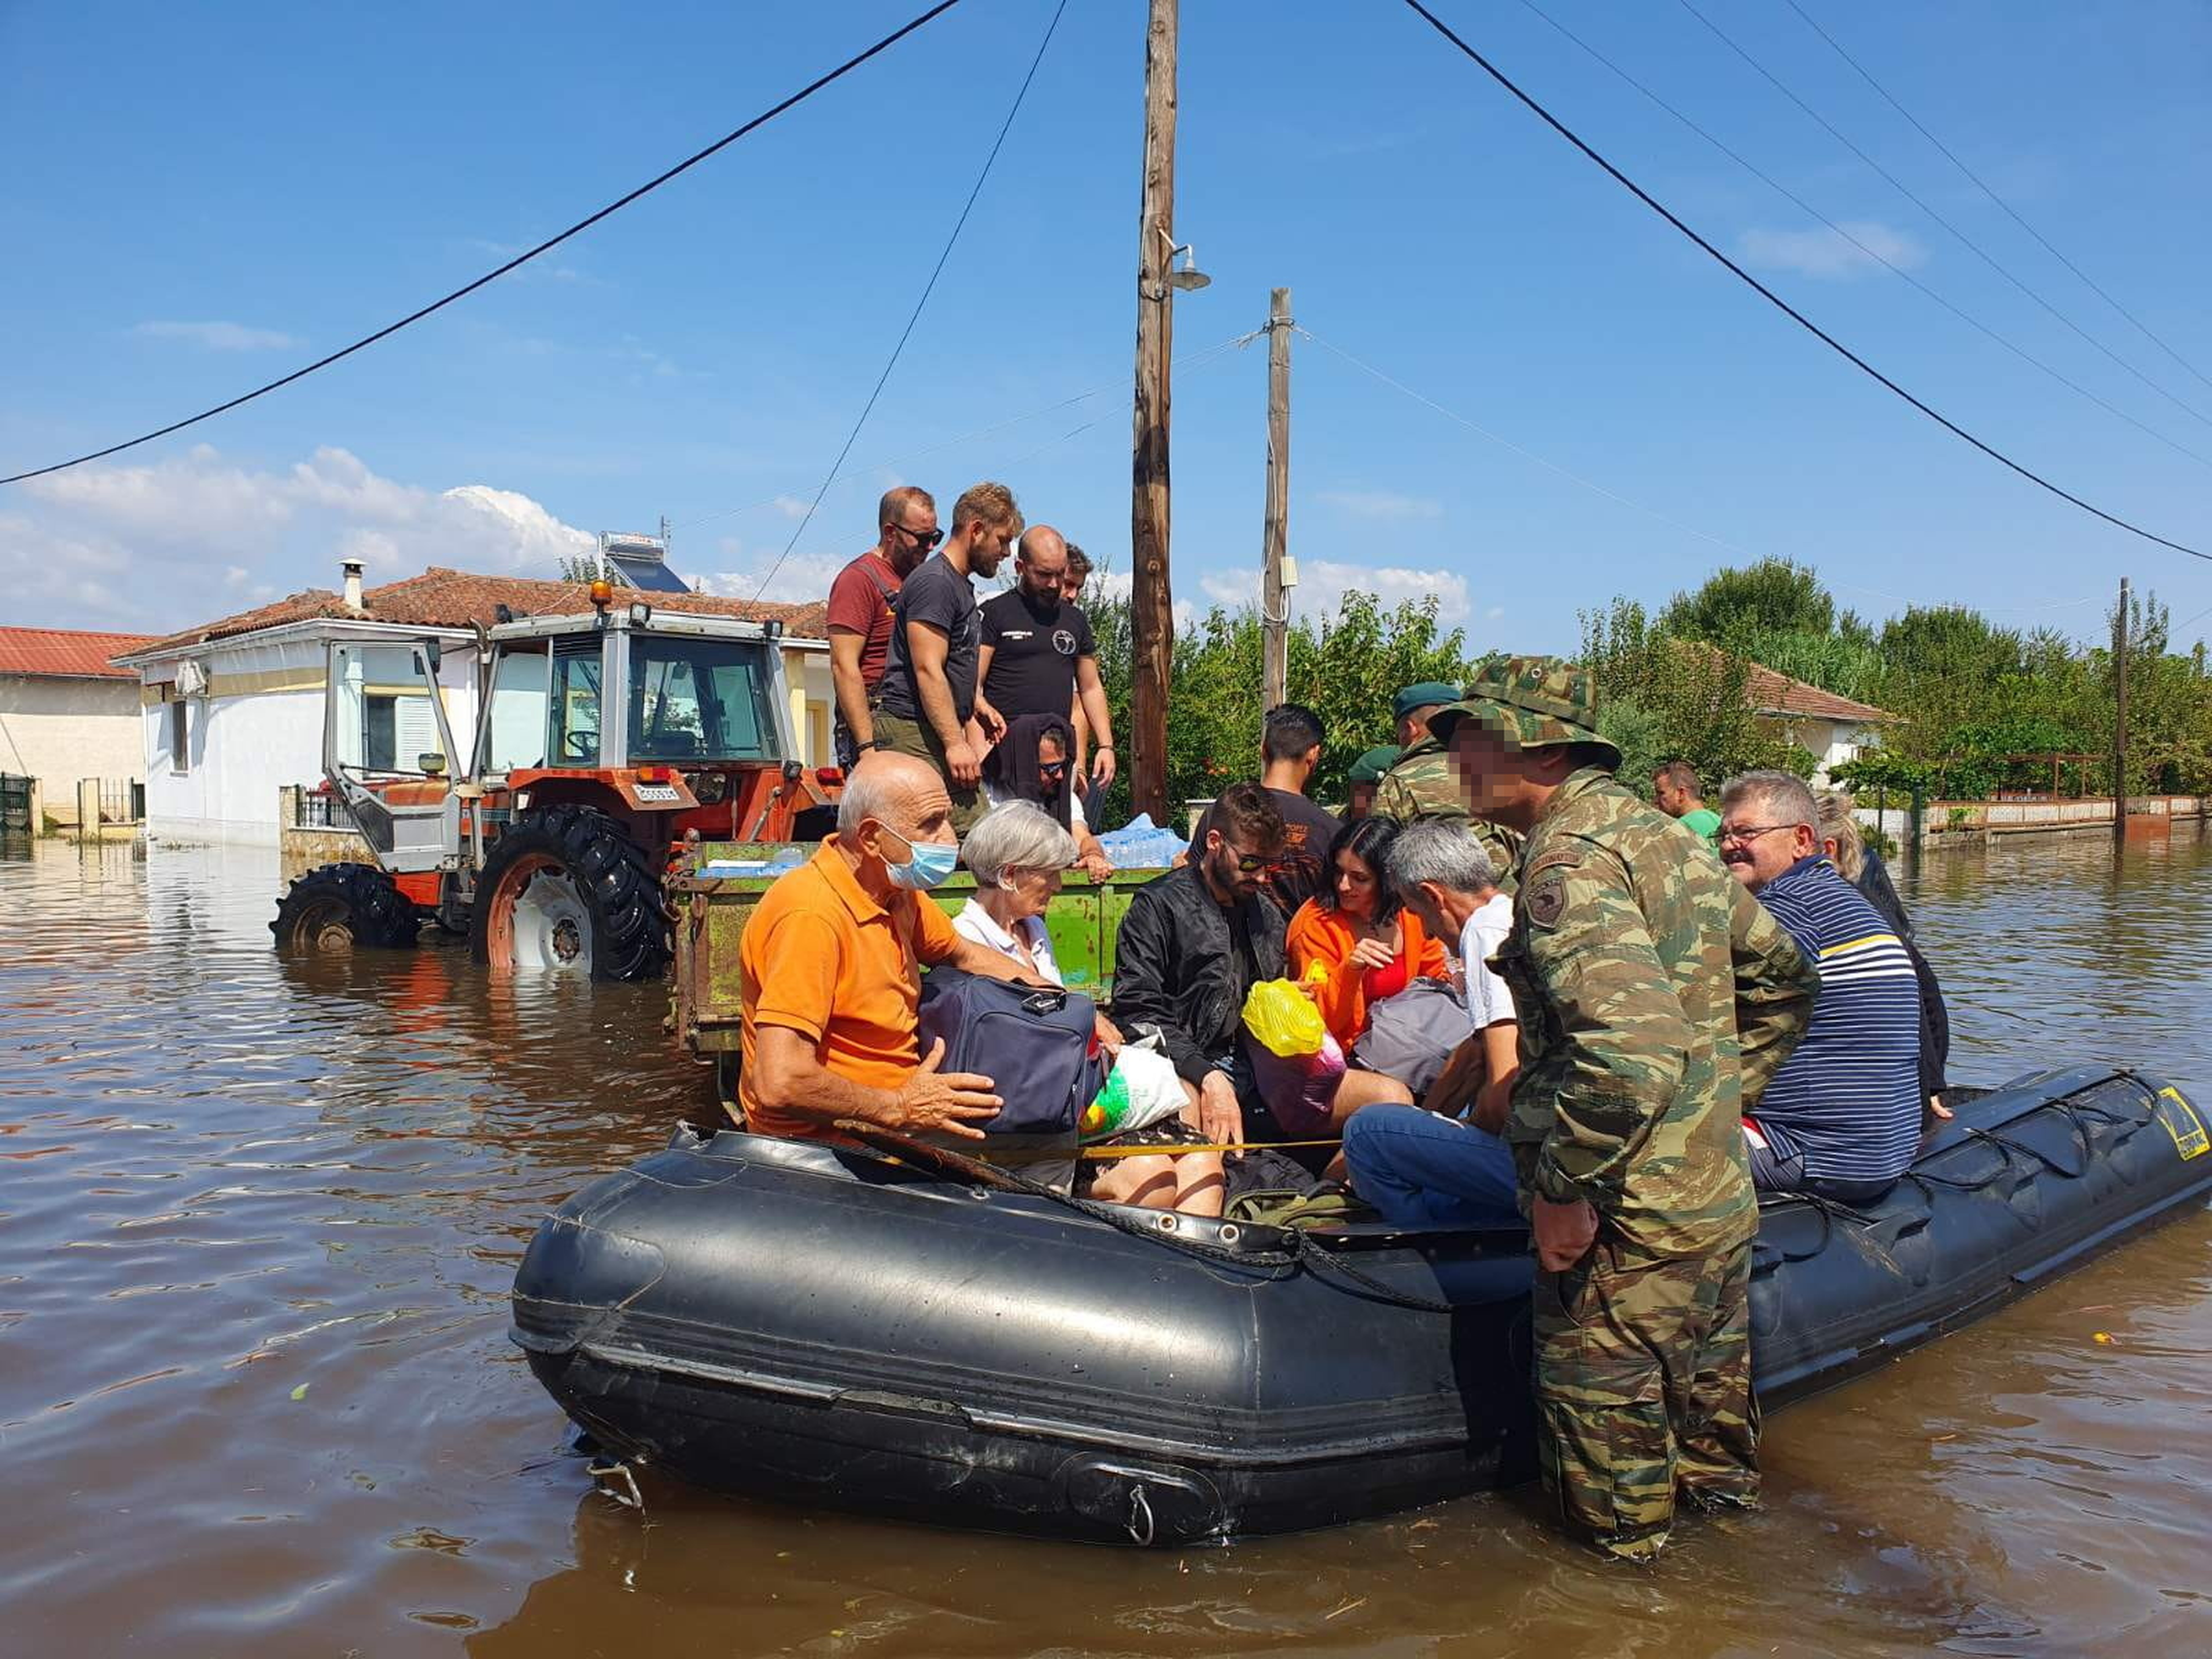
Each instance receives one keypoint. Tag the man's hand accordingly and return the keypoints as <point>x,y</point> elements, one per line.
<point>1102,765</point>
<point>1373,953</point>
<point>1493,1105</point>
<point>991,721</point>
<point>960,760</point>
<point>1220,1119</point>
<point>1109,1034</point>
<point>1097,865</point>
<point>1563,1232</point>
<point>955,1101</point>
<point>1941,1113</point>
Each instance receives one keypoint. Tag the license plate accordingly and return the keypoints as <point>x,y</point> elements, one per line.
<point>658,792</point>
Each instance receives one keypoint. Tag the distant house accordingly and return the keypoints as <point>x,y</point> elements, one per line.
<point>1833,727</point>
<point>231,711</point>
<point>68,713</point>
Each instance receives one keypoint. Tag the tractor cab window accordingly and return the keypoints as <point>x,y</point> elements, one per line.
<point>572,722</point>
<point>693,698</point>
<point>382,719</point>
<point>515,725</point>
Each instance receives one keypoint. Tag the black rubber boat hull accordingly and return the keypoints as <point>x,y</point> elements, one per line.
<point>826,1328</point>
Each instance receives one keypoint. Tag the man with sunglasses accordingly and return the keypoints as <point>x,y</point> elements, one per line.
<point>1192,943</point>
<point>860,602</point>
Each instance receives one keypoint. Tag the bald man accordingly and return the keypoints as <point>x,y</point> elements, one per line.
<point>829,965</point>
<point>1038,656</point>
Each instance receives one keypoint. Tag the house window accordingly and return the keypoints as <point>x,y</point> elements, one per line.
<point>180,756</point>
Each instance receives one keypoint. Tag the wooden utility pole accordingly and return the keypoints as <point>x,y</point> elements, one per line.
<point>2120,721</point>
<point>1151,603</point>
<point>1275,598</point>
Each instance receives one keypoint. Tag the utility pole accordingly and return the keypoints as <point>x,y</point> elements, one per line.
<point>1151,606</point>
<point>2120,721</point>
<point>1275,591</point>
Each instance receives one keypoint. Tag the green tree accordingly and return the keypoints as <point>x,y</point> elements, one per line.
<point>1660,698</point>
<point>1773,596</point>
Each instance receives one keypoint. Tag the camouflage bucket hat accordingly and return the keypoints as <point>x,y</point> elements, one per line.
<point>1531,702</point>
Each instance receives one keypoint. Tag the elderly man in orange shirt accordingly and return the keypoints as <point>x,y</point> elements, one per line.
<point>832,971</point>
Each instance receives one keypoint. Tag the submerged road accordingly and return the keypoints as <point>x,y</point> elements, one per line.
<point>258,1218</point>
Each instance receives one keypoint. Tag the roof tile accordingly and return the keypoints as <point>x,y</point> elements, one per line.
<point>67,654</point>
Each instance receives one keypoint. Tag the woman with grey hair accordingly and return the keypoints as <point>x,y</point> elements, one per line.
<point>1017,854</point>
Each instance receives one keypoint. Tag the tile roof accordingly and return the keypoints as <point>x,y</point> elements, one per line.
<point>440,597</point>
<point>67,654</point>
<point>1770,691</point>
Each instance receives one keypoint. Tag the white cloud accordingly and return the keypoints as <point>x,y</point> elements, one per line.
<point>1322,584</point>
<point>1385,504</point>
<point>799,579</point>
<point>221,337</point>
<point>156,544</point>
<point>1831,255</point>
<point>790,505</point>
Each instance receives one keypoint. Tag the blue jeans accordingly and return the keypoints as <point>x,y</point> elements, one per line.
<point>1420,1170</point>
<point>1772,1173</point>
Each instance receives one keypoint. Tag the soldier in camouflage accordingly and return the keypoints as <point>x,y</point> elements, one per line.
<point>1655,1003</point>
<point>1420,783</point>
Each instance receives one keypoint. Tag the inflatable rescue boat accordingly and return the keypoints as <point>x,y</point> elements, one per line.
<point>904,1337</point>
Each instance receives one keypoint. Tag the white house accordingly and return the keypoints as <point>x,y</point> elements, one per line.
<point>1835,728</point>
<point>69,713</point>
<point>231,712</point>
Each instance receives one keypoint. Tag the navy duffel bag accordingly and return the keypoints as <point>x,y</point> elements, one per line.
<point>1037,1045</point>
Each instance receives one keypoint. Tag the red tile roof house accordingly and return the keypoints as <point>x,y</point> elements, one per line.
<point>1835,728</point>
<point>233,709</point>
<point>68,713</point>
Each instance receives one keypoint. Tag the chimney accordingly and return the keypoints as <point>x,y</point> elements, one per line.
<point>352,568</point>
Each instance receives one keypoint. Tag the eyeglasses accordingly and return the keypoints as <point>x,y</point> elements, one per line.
<point>924,539</point>
<point>1052,768</point>
<point>1745,832</point>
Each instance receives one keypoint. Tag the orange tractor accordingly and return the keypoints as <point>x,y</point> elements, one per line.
<point>601,741</point>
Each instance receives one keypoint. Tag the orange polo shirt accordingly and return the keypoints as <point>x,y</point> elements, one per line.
<point>820,957</point>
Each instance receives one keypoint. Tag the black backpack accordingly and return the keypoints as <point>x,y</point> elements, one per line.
<point>1038,1046</point>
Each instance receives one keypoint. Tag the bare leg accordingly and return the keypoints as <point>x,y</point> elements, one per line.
<point>1201,1186</point>
<point>1364,1088</point>
<point>1148,1182</point>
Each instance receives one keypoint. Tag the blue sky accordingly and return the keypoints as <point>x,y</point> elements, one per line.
<point>198,199</point>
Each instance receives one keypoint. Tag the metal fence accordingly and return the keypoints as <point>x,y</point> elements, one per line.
<point>15,805</point>
<point>317,809</point>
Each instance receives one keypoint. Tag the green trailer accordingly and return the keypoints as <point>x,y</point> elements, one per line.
<point>711,911</point>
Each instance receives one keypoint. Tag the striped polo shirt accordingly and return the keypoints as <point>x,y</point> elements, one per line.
<point>1848,1100</point>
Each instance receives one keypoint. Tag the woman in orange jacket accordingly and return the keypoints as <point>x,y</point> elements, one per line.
<point>1352,944</point>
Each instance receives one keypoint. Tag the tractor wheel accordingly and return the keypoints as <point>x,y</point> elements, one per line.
<point>335,908</point>
<point>564,887</point>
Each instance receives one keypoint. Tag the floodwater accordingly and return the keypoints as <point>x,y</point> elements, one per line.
<point>258,1220</point>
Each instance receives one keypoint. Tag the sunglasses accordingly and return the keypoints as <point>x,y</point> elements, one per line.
<point>924,539</point>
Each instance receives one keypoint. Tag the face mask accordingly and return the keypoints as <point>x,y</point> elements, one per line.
<point>931,863</point>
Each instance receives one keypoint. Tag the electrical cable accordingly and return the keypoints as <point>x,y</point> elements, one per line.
<point>550,243</point>
<point>927,289</point>
<point>1776,300</point>
<point>1902,189</point>
<point>1873,254</point>
<point>2087,280</point>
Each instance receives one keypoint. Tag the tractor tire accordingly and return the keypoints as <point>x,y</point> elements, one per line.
<point>564,887</point>
<point>338,908</point>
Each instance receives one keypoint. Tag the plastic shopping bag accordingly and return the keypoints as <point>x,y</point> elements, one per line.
<point>1299,1089</point>
<point>1143,1091</point>
<point>1283,1019</point>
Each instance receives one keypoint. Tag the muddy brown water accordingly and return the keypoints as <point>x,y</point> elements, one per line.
<point>259,1220</point>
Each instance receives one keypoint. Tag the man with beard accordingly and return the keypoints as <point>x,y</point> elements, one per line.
<point>927,697</point>
<point>860,602</point>
<point>1038,656</point>
<point>1192,943</point>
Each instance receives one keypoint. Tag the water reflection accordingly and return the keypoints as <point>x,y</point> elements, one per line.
<point>260,1217</point>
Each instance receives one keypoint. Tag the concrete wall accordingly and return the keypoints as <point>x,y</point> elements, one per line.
<point>259,727</point>
<point>60,731</point>
<point>1965,822</point>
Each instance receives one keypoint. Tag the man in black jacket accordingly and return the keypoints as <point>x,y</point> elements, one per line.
<point>1194,941</point>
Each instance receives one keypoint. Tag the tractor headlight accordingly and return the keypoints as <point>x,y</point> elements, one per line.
<point>708,786</point>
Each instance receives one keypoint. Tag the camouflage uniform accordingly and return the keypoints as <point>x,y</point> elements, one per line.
<point>1657,998</point>
<point>1421,784</point>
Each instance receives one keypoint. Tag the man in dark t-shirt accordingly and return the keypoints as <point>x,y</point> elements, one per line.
<point>1290,750</point>
<point>1037,655</point>
<point>927,695</point>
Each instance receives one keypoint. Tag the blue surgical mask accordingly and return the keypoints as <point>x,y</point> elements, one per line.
<point>931,863</point>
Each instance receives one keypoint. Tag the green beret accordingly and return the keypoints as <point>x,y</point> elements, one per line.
<point>1371,766</point>
<point>1427,695</point>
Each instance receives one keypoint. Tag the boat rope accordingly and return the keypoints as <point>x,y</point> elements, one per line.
<point>1177,1148</point>
<point>1299,1251</point>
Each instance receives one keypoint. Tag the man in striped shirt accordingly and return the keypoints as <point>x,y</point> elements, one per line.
<point>1841,1119</point>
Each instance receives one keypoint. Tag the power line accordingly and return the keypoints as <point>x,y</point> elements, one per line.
<point>1525,455</point>
<point>1976,248</point>
<point>550,242</point>
<point>1873,254</point>
<point>927,289</point>
<point>1776,300</point>
<point>2087,280</point>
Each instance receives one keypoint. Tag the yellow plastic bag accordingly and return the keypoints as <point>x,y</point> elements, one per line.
<point>1284,1018</point>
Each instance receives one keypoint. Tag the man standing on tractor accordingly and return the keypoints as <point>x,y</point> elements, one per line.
<point>927,699</point>
<point>860,602</point>
<point>830,971</point>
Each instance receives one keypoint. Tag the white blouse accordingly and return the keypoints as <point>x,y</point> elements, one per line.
<point>975,922</point>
